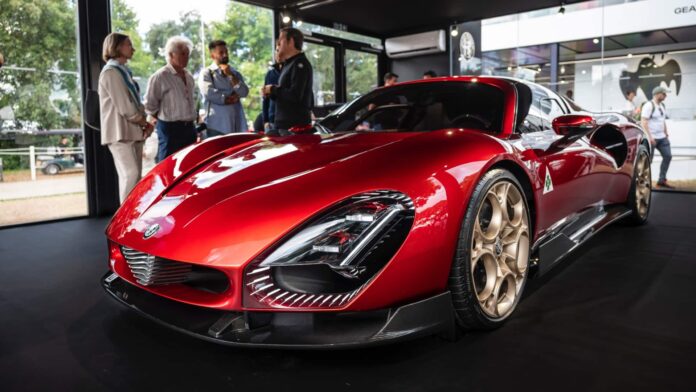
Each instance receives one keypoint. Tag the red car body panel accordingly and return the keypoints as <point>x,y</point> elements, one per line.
<point>223,202</point>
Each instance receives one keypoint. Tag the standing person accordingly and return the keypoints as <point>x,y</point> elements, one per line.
<point>390,78</point>
<point>293,94</point>
<point>223,87</point>
<point>268,110</point>
<point>630,108</point>
<point>429,74</point>
<point>653,118</point>
<point>569,94</point>
<point>169,100</point>
<point>123,121</point>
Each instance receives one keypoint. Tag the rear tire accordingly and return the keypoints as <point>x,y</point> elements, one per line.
<point>491,264</point>
<point>640,194</point>
<point>51,169</point>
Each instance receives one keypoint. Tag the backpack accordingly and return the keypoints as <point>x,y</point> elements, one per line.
<point>662,105</point>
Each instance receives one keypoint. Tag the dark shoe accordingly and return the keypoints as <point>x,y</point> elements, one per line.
<point>664,184</point>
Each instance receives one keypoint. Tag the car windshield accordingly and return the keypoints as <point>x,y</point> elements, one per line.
<point>422,107</point>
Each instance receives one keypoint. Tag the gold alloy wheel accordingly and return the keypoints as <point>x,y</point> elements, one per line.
<point>500,249</point>
<point>643,184</point>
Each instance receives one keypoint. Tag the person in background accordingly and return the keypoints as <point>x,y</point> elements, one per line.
<point>429,74</point>
<point>123,120</point>
<point>293,94</point>
<point>169,100</point>
<point>653,118</point>
<point>64,145</point>
<point>2,60</point>
<point>268,110</point>
<point>630,108</point>
<point>569,94</point>
<point>390,78</point>
<point>223,87</point>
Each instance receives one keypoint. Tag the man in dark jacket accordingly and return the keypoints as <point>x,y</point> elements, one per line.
<point>293,94</point>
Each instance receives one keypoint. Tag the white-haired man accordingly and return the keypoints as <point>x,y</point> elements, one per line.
<point>169,100</point>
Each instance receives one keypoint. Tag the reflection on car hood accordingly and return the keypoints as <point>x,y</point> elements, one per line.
<point>241,201</point>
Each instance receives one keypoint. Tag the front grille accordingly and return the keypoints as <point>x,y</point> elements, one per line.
<point>150,270</point>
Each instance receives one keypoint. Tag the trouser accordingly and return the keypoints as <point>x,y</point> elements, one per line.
<point>173,136</point>
<point>128,159</point>
<point>665,149</point>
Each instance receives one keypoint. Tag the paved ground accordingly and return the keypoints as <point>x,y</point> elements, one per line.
<point>18,211</point>
<point>60,185</point>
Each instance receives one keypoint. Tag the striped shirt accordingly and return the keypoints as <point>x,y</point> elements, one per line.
<point>170,99</point>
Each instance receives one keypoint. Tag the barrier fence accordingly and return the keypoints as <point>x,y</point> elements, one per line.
<point>40,153</point>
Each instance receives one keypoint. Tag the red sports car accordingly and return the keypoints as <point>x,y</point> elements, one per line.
<point>416,209</point>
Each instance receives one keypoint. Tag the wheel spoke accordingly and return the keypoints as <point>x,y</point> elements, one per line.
<point>642,185</point>
<point>500,249</point>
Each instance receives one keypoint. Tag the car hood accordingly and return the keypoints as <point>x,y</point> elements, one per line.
<point>228,209</point>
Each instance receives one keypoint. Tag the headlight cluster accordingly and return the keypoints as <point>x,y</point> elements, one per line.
<point>327,261</point>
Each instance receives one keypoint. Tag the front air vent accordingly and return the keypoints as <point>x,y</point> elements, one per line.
<point>150,270</point>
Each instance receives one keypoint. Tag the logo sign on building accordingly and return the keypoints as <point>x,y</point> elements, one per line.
<point>685,10</point>
<point>467,46</point>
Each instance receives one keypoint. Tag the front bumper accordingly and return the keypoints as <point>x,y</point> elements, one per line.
<point>292,330</point>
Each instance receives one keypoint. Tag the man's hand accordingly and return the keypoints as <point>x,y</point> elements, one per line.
<point>148,128</point>
<point>226,70</point>
<point>266,90</point>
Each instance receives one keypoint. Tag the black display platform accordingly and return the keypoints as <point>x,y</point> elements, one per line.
<point>619,314</point>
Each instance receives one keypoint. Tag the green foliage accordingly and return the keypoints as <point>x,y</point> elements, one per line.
<point>322,59</point>
<point>361,73</point>
<point>39,42</point>
<point>189,26</point>
<point>124,20</point>
<point>248,31</point>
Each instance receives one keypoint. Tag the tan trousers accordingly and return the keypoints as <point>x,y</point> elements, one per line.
<point>128,159</point>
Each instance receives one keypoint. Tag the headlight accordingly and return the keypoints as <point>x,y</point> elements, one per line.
<point>327,261</point>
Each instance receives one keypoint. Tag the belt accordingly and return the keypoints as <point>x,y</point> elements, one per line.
<point>182,123</point>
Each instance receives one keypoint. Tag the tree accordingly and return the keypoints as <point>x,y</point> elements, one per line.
<point>124,20</point>
<point>361,73</point>
<point>39,42</point>
<point>189,26</point>
<point>248,31</point>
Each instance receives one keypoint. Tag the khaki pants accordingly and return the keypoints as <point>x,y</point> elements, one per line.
<point>128,159</point>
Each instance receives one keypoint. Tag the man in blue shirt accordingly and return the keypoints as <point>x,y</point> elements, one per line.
<point>222,88</point>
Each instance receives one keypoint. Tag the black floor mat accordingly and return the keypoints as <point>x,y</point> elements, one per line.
<point>618,314</point>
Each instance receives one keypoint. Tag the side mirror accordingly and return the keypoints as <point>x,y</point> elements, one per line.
<point>571,127</point>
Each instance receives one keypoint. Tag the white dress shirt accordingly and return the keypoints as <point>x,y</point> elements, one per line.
<point>170,99</point>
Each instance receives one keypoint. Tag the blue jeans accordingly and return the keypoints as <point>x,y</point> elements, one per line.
<point>665,150</point>
<point>173,136</point>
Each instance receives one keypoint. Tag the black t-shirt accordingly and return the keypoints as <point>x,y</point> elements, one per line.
<point>293,95</point>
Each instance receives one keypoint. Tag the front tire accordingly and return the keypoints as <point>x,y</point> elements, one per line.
<point>640,194</point>
<point>490,267</point>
